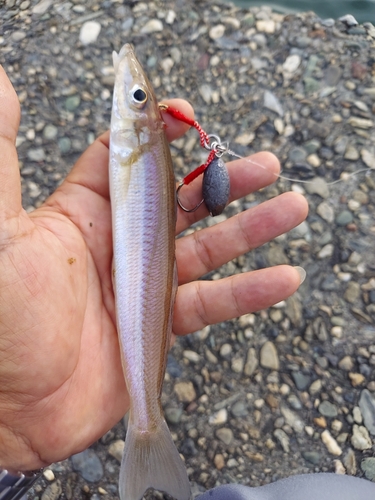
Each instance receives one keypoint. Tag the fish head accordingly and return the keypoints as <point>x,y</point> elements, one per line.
<point>134,100</point>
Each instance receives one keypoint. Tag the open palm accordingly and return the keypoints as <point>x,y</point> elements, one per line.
<point>62,385</point>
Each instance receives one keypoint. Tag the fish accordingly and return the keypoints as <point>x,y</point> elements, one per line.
<point>143,204</point>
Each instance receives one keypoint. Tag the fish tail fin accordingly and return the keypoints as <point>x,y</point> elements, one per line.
<point>151,460</point>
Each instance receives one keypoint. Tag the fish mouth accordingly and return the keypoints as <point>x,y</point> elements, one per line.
<point>126,49</point>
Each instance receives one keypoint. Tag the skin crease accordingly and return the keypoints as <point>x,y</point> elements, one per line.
<point>62,385</point>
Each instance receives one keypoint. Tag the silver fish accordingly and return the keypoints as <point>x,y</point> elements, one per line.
<point>142,190</point>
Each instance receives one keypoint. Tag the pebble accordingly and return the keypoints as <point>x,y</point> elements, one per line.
<point>225,350</point>
<point>88,464</point>
<point>367,406</point>
<point>362,123</point>
<point>360,438</point>
<point>346,363</point>
<point>219,417</point>
<point>89,32</point>
<point>314,457</point>
<point>191,356</point>
<point>368,158</point>
<point>219,461</point>
<point>173,415</point>
<point>350,462</point>
<point>292,63</point>
<point>49,475</point>
<point>326,251</point>
<point>283,439</point>
<point>50,132</point>
<point>225,435</point>
<point>116,449</point>
<point>301,380</point>
<point>356,379</point>
<point>327,409</point>
<point>344,218</point>
<point>292,419</point>
<point>152,26</point>
<point>326,211</point>
<point>72,102</point>
<point>352,292</point>
<point>272,102</point>
<point>216,31</point>
<point>266,26</point>
<point>36,154</point>
<point>269,357</point>
<point>251,362</point>
<point>331,443</point>
<point>318,186</point>
<point>368,467</point>
<point>185,392</point>
<point>41,7</point>
<point>65,145</point>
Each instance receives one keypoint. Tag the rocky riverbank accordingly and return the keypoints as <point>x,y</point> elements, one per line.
<point>288,390</point>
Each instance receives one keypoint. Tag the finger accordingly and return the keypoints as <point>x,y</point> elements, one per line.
<point>203,303</point>
<point>246,176</point>
<point>10,187</point>
<point>203,251</point>
<point>91,170</point>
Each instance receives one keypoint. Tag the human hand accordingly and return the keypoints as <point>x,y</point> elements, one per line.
<point>62,385</point>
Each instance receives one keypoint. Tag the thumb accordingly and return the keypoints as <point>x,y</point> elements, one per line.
<point>10,186</point>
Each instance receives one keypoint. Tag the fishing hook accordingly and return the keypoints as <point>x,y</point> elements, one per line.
<point>188,210</point>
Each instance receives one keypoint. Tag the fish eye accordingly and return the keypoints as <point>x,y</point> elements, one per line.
<point>139,96</point>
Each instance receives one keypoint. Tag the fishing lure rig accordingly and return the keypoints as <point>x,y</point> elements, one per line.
<point>216,182</point>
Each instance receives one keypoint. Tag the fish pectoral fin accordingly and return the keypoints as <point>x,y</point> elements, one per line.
<point>151,460</point>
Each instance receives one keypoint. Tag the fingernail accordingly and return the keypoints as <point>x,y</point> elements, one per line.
<point>302,274</point>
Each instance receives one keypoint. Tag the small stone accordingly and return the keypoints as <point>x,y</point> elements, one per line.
<point>272,102</point>
<point>351,153</point>
<point>237,365</point>
<point>170,17</point>
<point>320,422</point>
<point>206,92</point>
<point>216,31</point>
<point>283,439</point>
<point>344,218</point>
<point>315,387</point>
<point>266,26</point>
<point>87,463</point>
<point>232,462</point>
<point>225,435</point>
<point>18,35</point>
<point>245,139</point>
<point>356,379</point>
<point>152,26</point>
<point>368,158</point>
<point>185,392</point>
<point>350,462</point>
<point>297,155</point>
<point>357,415</point>
<point>219,461</point>
<point>269,357</point>
<point>361,439</point>
<point>292,63</point>
<point>191,356</point>
<point>352,293</point>
<point>346,363</point>
<point>251,362</point>
<point>225,350</point>
<point>167,64</point>
<point>327,409</point>
<point>336,425</point>
<point>173,415</point>
<point>239,409</point>
<point>339,467</point>
<point>50,132</point>
<point>292,419</point>
<point>367,406</point>
<point>36,154</point>
<point>301,380</point>
<point>318,186</point>
<point>89,32</point>
<point>349,20</point>
<point>53,491</point>
<point>65,145</point>
<point>219,417</point>
<point>362,123</point>
<point>49,475</point>
<point>326,212</point>
<point>116,449</point>
<point>72,102</point>
<point>314,457</point>
<point>368,467</point>
<point>42,7</point>
<point>314,160</point>
<point>331,443</point>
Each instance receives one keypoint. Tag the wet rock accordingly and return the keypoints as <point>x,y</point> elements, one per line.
<point>219,417</point>
<point>251,362</point>
<point>314,457</point>
<point>36,154</point>
<point>346,363</point>
<point>331,443</point>
<point>301,380</point>
<point>368,467</point>
<point>225,435</point>
<point>350,462</point>
<point>318,186</point>
<point>152,26</point>
<point>173,415</point>
<point>361,439</point>
<point>352,293</point>
<point>344,218</point>
<point>272,102</point>
<point>283,439</point>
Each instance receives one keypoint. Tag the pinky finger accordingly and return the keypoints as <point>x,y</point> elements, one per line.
<point>203,303</point>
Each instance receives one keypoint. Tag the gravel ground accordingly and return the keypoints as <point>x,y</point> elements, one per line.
<point>288,390</point>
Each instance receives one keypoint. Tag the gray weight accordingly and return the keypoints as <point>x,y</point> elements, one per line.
<point>216,186</point>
